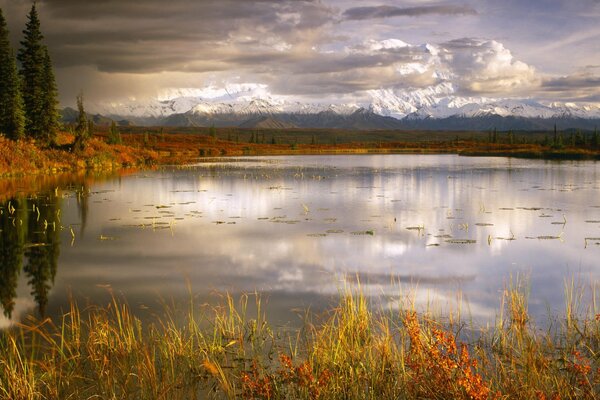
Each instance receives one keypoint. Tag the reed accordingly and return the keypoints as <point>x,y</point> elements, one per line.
<point>354,351</point>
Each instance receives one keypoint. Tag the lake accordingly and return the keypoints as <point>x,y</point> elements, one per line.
<point>442,229</point>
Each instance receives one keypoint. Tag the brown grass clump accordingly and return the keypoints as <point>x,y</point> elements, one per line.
<point>353,353</point>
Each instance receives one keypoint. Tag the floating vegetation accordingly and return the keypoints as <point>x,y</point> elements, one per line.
<point>330,220</point>
<point>596,241</point>
<point>103,237</point>
<point>218,222</point>
<point>512,237</point>
<point>593,221</point>
<point>262,218</point>
<point>32,245</point>
<point>506,208</point>
<point>282,220</point>
<point>483,224</point>
<point>369,232</point>
<point>316,235</point>
<point>550,237</point>
<point>529,208</point>
<point>445,236</point>
<point>461,241</point>
<point>433,245</point>
<point>334,231</point>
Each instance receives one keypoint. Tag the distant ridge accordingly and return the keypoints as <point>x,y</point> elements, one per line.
<point>433,108</point>
<point>264,122</point>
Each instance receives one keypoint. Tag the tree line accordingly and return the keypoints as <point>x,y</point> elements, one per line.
<point>28,91</point>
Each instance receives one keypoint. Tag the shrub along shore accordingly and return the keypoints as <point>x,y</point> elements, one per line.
<point>143,150</point>
<point>353,351</point>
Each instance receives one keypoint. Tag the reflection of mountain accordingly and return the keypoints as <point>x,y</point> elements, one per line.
<point>29,241</point>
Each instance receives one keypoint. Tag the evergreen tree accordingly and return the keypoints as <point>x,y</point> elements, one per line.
<point>212,131</point>
<point>91,127</point>
<point>81,129</point>
<point>546,141</point>
<point>50,114</point>
<point>114,136</point>
<point>11,102</point>
<point>38,83</point>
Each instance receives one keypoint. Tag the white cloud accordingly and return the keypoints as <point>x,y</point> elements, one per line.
<point>486,66</point>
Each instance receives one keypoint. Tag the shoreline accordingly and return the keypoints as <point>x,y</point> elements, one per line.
<point>143,151</point>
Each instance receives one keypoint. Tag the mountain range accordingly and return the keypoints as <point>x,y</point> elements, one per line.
<point>434,108</point>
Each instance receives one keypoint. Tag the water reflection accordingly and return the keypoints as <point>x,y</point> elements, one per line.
<point>29,245</point>
<point>297,228</point>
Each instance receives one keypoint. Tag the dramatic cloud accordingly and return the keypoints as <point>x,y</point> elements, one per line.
<point>359,13</point>
<point>322,49</point>
<point>486,66</point>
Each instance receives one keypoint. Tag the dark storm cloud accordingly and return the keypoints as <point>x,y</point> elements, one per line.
<point>132,48</point>
<point>151,35</point>
<point>360,13</point>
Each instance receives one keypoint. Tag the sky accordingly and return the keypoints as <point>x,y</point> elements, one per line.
<point>320,50</point>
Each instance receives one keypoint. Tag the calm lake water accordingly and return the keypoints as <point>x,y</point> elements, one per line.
<point>297,228</point>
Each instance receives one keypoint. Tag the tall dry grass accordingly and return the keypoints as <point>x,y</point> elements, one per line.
<point>354,351</point>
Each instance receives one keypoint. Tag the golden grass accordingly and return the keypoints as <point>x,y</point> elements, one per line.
<point>355,352</point>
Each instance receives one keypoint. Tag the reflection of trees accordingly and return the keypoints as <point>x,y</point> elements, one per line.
<point>83,205</point>
<point>12,240</point>
<point>31,230</point>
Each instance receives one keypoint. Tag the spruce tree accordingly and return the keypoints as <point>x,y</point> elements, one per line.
<point>114,136</point>
<point>11,102</point>
<point>50,114</point>
<point>38,83</point>
<point>81,129</point>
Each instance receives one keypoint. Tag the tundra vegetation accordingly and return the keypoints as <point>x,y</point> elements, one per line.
<point>354,351</point>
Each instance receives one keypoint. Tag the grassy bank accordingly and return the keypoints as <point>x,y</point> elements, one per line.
<point>26,158</point>
<point>183,147</point>
<point>140,150</point>
<point>351,352</point>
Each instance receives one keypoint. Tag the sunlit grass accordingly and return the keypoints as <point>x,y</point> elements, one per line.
<point>353,351</point>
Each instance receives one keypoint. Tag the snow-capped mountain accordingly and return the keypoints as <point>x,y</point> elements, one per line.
<point>235,104</point>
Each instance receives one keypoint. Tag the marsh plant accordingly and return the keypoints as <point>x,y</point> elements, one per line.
<point>353,351</point>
